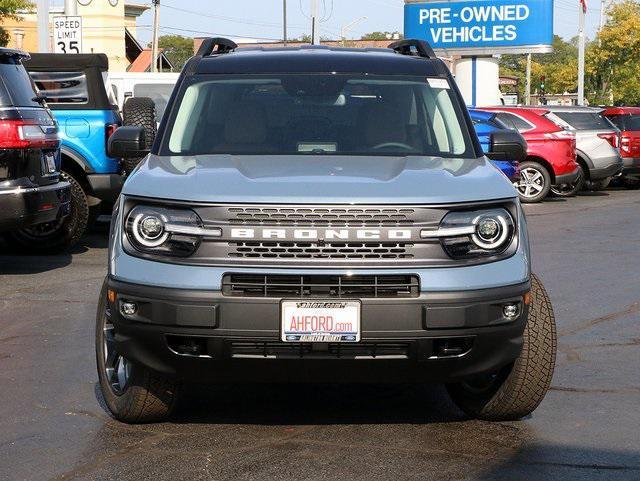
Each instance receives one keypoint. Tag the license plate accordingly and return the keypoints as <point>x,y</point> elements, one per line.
<point>320,321</point>
<point>50,160</point>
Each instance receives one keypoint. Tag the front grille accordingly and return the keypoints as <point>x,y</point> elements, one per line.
<point>321,216</point>
<point>315,250</point>
<point>361,286</point>
<point>276,349</point>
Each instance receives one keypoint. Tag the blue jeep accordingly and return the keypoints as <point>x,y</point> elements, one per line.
<point>487,125</point>
<point>74,88</point>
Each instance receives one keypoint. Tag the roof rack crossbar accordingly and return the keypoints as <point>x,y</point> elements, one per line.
<point>413,47</point>
<point>9,52</point>
<point>216,45</point>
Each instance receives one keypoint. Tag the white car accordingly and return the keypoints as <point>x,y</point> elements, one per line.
<point>157,86</point>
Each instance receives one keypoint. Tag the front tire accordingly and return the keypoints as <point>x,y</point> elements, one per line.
<point>60,235</point>
<point>631,183</point>
<point>534,183</point>
<point>569,190</point>
<point>132,393</point>
<point>516,390</point>
<point>598,185</point>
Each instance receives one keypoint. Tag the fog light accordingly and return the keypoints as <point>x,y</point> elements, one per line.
<point>128,308</point>
<point>510,311</point>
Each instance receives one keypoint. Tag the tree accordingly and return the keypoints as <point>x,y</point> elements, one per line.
<point>8,9</point>
<point>560,68</point>
<point>381,36</point>
<point>177,48</point>
<point>612,61</point>
<point>307,38</point>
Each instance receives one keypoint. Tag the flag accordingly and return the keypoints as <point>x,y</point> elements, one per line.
<point>583,3</point>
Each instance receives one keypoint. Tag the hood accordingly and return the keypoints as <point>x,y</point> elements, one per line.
<point>318,179</point>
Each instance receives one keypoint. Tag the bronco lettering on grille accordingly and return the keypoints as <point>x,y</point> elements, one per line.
<point>322,234</point>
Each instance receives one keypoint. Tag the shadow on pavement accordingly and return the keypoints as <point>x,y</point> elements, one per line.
<point>21,263</point>
<point>592,193</point>
<point>549,462</point>
<point>320,404</point>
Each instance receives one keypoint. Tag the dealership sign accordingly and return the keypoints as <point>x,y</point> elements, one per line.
<point>491,25</point>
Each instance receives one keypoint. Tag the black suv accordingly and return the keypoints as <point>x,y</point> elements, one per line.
<point>32,195</point>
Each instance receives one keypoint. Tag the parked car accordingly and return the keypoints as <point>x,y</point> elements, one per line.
<point>597,142</point>
<point>74,87</point>
<point>627,119</point>
<point>551,154</point>
<point>33,196</point>
<point>298,221</point>
<point>156,86</point>
<point>486,126</point>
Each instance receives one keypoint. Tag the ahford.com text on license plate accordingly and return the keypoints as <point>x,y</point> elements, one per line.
<point>320,321</point>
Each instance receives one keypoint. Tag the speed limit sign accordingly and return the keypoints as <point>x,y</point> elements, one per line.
<point>67,34</point>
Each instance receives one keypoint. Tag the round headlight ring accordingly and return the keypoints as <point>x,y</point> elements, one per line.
<point>153,224</point>
<point>500,237</point>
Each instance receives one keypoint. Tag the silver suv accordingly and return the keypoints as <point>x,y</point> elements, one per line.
<point>597,142</point>
<point>313,214</point>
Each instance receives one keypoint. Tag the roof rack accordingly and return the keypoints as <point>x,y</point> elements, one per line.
<point>9,52</point>
<point>217,46</point>
<point>413,47</point>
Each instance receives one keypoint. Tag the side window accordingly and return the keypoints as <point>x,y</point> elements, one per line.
<point>62,87</point>
<point>514,122</point>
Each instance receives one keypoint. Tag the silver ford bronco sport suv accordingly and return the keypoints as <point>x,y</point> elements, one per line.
<point>315,214</point>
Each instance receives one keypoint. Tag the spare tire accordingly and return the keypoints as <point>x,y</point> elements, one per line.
<point>141,112</point>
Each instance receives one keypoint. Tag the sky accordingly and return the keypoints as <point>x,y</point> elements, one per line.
<point>262,19</point>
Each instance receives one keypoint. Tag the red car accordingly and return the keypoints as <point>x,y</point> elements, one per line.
<point>627,119</point>
<point>551,159</point>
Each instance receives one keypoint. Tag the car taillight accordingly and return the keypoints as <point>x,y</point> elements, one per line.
<point>18,134</point>
<point>110,129</point>
<point>560,135</point>
<point>612,138</point>
<point>625,145</point>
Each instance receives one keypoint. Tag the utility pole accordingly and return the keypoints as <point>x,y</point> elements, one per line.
<point>581,40</point>
<point>154,40</point>
<point>284,22</point>
<point>527,89</point>
<point>315,38</point>
<point>346,28</point>
<point>70,8</point>
<point>42,12</point>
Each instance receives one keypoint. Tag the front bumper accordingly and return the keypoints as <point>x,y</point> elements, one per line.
<point>198,335</point>
<point>27,206</point>
<point>568,178</point>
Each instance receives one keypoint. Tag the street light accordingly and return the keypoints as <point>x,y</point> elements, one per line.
<point>349,26</point>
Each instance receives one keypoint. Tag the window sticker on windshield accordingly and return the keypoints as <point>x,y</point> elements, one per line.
<point>438,83</point>
<point>317,148</point>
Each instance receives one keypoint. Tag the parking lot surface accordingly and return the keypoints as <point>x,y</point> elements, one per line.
<point>585,249</point>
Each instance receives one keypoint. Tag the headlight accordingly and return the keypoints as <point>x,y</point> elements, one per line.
<point>475,233</point>
<point>164,231</point>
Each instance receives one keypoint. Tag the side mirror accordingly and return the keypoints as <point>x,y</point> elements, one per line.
<point>127,142</point>
<point>507,145</point>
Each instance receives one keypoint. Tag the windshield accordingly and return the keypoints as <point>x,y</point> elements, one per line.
<point>319,114</point>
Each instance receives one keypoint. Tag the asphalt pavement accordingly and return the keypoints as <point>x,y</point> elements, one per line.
<point>54,427</point>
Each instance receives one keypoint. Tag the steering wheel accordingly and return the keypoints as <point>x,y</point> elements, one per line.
<point>393,144</point>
